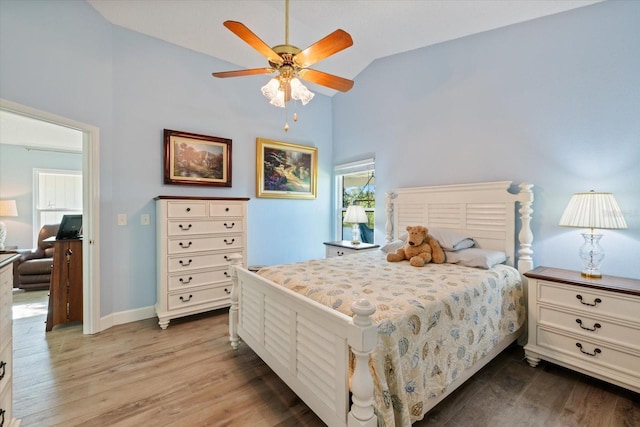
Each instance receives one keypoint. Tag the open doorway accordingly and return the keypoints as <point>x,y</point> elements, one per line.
<point>90,205</point>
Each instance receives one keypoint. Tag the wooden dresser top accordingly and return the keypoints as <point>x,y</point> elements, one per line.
<point>607,283</point>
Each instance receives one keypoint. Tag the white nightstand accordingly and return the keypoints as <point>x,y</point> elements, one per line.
<point>345,247</point>
<point>586,324</point>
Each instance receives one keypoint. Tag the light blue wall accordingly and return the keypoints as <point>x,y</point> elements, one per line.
<point>64,58</point>
<point>16,182</point>
<point>554,102</point>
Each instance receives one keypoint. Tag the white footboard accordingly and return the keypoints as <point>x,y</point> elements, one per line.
<point>307,345</point>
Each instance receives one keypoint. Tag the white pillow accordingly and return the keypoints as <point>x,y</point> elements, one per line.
<point>476,257</point>
<point>392,246</point>
<point>451,240</point>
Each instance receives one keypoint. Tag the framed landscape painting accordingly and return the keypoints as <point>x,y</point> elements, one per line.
<point>192,159</point>
<point>286,170</point>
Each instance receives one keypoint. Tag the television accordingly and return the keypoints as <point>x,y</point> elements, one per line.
<point>70,227</point>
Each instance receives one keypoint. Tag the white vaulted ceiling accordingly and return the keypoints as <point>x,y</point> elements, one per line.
<point>379,28</point>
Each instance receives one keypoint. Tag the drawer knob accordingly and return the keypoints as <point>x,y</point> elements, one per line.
<point>227,291</point>
<point>3,367</point>
<point>183,299</point>
<point>595,326</point>
<point>229,242</point>
<point>340,253</point>
<point>188,210</point>
<point>595,352</point>
<point>186,281</point>
<point>185,228</point>
<point>595,301</point>
<point>182,245</point>
<point>2,412</point>
<point>229,226</point>
<point>226,274</point>
<point>185,264</point>
<point>226,209</point>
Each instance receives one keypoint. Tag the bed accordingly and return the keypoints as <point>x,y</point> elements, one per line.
<point>342,352</point>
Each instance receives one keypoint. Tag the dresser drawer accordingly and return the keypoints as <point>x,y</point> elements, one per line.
<point>590,326</point>
<point>192,262</point>
<point>187,209</point>
<point>6,404</point>
<point>226,209</point>
<point>191,279</point>
<point>589,300</point>
<point>6,299</point>
<point>199,296</point>
<point>590,351</point>
<point>188,228</point>
<point>198,244</point>
<point>6,359</point>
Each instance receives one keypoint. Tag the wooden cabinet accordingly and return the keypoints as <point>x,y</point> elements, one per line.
<point>6,340</point>
<point>195,236</point>
<point>65,291</point>
<point>345,247</point>
<point>589,325</point>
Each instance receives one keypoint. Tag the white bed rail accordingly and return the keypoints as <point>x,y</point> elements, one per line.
<point>307,345</point>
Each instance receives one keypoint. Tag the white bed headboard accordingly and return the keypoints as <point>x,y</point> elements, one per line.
<point>485,211</point>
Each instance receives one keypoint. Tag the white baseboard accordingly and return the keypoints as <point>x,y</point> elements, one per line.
<point>128,316</point>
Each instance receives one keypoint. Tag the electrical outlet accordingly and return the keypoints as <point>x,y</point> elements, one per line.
<point>144,219</point>
<point>122,219</point>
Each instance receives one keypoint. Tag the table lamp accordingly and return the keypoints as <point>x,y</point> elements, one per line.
<point>7,208</point>
<point>355,215</point>
<point>592,210</point>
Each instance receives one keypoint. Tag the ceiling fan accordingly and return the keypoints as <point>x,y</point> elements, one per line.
<point>292,64</point>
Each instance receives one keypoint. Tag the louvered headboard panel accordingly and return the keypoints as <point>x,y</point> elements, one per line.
<point>485,211</point>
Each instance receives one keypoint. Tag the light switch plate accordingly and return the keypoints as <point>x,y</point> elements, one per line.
<point>122,219</point>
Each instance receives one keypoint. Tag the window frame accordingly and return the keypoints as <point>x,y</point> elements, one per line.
<point>364,165</point>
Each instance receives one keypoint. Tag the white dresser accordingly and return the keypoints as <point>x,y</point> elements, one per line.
<point>6,340</point>
<point>195,235</point>
<point>586,324</point>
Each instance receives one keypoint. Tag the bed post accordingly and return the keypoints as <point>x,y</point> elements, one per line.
<point>388,225</point>
<point>525,237</point>
<point>235,260</point>
<point>362,339</point>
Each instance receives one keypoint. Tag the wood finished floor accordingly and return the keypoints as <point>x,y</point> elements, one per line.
<point>139,375</point>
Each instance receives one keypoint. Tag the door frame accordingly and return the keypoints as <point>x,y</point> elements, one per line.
<point>90,207</point>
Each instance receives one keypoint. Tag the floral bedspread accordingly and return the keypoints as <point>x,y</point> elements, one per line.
<point>433,322</point>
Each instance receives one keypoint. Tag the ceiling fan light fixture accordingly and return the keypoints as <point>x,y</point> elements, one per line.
<point>299,92</point>
<point>273,93</point>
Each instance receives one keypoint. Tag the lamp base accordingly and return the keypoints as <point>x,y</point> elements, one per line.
<point>3,235</point>
<point>355,234</point>
<point>591,254</point>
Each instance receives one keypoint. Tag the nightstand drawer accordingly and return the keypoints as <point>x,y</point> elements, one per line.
<point>588,300</point>
<point>333,251</point>
<point>590,326</point>
<point>590,351</point>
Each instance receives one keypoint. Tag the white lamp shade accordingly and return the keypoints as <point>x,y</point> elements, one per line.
<point>8,208</point>
<point>593,210</point>
<point>355,214</point>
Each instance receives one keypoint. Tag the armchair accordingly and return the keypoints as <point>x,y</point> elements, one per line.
<point>32,271</point>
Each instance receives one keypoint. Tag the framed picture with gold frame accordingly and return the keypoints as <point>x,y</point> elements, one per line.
<point>193,159</point>
<point>287,171</point>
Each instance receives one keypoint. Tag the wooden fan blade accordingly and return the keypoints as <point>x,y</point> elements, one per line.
<point>331,44</point>
<point>240,30</point>
<point>326,79</point>
<point>238,73</point>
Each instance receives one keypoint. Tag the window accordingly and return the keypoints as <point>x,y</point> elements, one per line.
<point>356,184</point>
<point>56,193</point>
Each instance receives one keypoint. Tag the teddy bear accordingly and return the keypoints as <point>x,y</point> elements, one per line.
<point>420,248</point>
